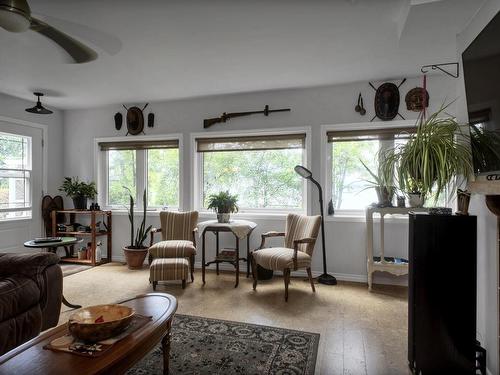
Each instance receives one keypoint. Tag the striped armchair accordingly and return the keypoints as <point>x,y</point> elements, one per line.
<point>178,237</point>
<point>300,237</point>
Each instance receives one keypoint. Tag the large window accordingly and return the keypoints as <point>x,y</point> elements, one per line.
<point>259,169</point>
<point>348,178</point>
<point>15,176</point>
<point>137,165</point>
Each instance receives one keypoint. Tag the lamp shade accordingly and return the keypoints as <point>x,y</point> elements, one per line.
<point>39,109</point>
<point>303,171</point>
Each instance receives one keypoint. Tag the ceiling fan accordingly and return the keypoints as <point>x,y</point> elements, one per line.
<point>15,16</point>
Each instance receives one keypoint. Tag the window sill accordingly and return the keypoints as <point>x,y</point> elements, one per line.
<point>15,220</point>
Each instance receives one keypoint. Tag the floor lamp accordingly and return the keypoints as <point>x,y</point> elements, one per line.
<point>325,278</point>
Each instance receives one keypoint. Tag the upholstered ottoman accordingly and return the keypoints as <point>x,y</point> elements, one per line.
<point>163,269</point>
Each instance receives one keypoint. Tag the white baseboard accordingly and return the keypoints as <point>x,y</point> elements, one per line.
<point>379,278</point>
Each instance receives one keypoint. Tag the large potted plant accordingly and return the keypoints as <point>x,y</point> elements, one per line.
<point>383,183</point>
<point>136,252</point>
<point>432,158</point>
<point>224,204</point>
<point>485,148</point>
<point>79,191</point>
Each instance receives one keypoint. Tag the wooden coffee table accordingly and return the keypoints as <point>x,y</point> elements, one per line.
<point>31,358</point>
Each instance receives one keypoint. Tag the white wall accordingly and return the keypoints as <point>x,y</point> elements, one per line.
<point>487,253</point>
<point>14,108</point>
<point>310,107</point>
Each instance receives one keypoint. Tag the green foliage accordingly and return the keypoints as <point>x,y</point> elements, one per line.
<point>431,158</point>
<point>384,178</point>
<point>223,202</point>
<point>260,178</point>
<point>485,146</point>
<point>347,171</point>
<point>74,188</point>
<point>121,172</point>
<point>141,234</point>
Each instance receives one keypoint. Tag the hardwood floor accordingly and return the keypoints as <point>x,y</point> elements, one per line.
<point>361,332</point>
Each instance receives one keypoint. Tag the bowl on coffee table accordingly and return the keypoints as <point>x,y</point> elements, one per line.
<point>97,323</point>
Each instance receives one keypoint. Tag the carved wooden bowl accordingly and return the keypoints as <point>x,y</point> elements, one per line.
<point>96,323</point>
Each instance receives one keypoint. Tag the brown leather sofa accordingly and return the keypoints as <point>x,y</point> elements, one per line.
<point>30,296</point>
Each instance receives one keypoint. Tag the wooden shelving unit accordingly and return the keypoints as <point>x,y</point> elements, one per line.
<point>93,234</point>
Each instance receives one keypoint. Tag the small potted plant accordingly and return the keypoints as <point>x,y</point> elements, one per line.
<point>224,204</point>
<point>79,191</point>
<point>383,183</point>
<point>136,252</point>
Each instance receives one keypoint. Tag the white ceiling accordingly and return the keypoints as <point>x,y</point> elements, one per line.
<point>158,50</point>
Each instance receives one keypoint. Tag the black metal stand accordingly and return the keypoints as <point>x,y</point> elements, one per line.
<point>325,278</point>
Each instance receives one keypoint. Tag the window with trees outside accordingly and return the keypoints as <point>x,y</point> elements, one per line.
<point>132,166</point>
<point>15,176</point>
<point>350,189</point>
<point>258,169</point>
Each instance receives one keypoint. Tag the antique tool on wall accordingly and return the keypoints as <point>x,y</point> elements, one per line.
<point>387,101</point>
<point>226,116</point>
<point>360,108</point>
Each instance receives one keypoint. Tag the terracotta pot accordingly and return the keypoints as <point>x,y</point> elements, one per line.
<point>135,257</point>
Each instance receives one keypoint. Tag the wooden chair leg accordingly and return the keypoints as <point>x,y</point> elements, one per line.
<point>309,274</point>
<point>286,276</point>
<point>192,267</point>
<point>155,283</point>
<point>184,284</point>
<point>254,272</point>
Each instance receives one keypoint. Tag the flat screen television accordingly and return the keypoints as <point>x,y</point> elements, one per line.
<point>481,63</point>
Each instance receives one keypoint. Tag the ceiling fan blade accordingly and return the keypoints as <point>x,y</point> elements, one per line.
<point>101,39</point>
<point>77,50</point>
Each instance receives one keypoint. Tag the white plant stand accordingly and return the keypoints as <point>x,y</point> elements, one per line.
<point>372,264</point>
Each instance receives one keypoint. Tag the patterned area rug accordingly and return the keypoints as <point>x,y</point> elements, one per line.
<point>210,346</point>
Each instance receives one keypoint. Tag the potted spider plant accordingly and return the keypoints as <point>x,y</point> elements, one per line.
<point>78,191</point>
<point>485,149</point>
<point>383,183</point>
<point>224,204</point>
<point>136,252</point>
<point>432,158</point>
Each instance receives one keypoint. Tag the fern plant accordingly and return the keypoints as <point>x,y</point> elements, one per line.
<point>223,202</point>
<point>137,239</point>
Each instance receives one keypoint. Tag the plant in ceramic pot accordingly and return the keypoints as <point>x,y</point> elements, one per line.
<point>485,148</point>
<point>383,183</point>
<point>136,252</point>
<point>79,191</point>
<point>224,204</point>
<point>432,159</point>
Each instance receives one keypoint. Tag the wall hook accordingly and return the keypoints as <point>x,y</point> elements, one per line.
<point>456,74</point>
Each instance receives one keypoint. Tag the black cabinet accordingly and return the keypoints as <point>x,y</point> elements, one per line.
<point>442,294</point>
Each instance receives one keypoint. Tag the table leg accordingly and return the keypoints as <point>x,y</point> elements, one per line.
<point>165,345</point>
<point>65,302</point>
<point>203,257</point>
<point>217,252</point>
<point>237,261</point>
<point>248,255</point>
